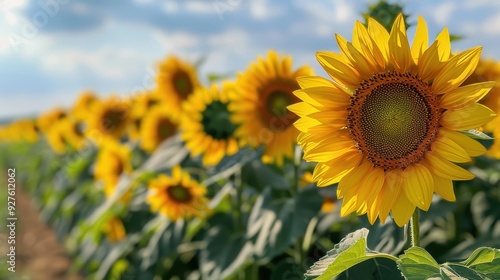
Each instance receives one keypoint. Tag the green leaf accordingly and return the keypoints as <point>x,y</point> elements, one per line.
<point>476,134</point>
<point>416,264</point>
<point>350,252</point>
<point>482,264</point>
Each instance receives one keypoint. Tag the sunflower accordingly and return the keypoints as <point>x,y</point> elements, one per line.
<point>141,105</point>
<point>112,161</point>
<point>114,230</point>
<point>84,105</point>
<point>177,196</point>
<point>109,120</point>
<point>489,70</point>
<point>176,80</point>
<point>259,106</point>
<point>55,137</point>
<point>157,126</point>
<point>206,124</point>
<point>73,132</point>
<point>24,130</point>
<point>46,120</point>
<point>387,129</point>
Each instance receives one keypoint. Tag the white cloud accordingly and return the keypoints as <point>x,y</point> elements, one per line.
<point>491,25</point>
<point>170,7</point>
<point>9,10</point>
<point>175,41</point>
<point>199,7</point>
<point>442,13</point>
<point>262,9</point>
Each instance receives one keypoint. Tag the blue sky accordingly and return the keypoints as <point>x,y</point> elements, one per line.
<point>51,50</point>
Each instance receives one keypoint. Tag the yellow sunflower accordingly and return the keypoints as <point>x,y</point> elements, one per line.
<point>114,230</point>
<point>55,137</point>
<point>24,130</point>
<point>387,128</point>
<point>176,80</point>
<point>178,196</point>
<point>206,124</point>
<point>259,106</point>
<point>46,120</point>
<point>489,70</point>
<point>113,160</point>
<point>141,105</point>
<point>109,119</point>
<point>157,126</point>
<point>73,132</point>
<point>84,105</point>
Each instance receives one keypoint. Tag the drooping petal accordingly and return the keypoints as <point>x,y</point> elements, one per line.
<point>444,187</point>
<point>403,210</point>
<point>418,185</point>
<point>471,146</point>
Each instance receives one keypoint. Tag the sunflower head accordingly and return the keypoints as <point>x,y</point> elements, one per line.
<point>157,126</point>
<point>110,119</point>
<point>73,132</point>
<point>176,80</point>
<point>22,130</point>
<point>114,230</point>
<point>259,106</point>
<point>46,120</point>
<point>84,105</point>
<point>387,128</point>
<point>177,196</point>
<point>206,124</point>
<point>140,106</point>
<point>55,137</point>
<point>113,160</point>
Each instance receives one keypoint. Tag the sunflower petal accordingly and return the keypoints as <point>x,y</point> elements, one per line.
<point>444,188</point>
<point>324,97</point>
<point>446,169</point>
<point>456,70</point>
<point>398,46</point>
<point>380,36</point>
<point>449,150</point>
<point>314,81</point>
<point>403,210</point>
<point>332,172</point>
<point>351,182</point>
<point>470,117</point>
<point>393,185</point>
<point>465,95</point>
<point>335,66</point>
<point>362,41</point>
<point>471,146</point>
<point>418,185</point>
<point>421,40</point>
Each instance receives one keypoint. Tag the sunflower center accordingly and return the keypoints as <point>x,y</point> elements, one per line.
<point>179,193</point>
<point>277,116</point>
<point>393,118</point>
<point>182,84</point>
<point>78,128</point>
<point>216,121</point>
<point>165,129</point>
<point>113,118</point>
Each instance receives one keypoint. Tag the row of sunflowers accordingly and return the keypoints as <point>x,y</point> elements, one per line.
<point>191,181</point>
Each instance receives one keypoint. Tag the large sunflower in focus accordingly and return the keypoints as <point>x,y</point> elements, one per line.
<point>109,120</point>
<point>489,70</point>
<point>387,128</point>
<point>176,80</point>
<point>259,106</point>
<point>157,126</point>
<point>178,196</point>
<point>206,124</point>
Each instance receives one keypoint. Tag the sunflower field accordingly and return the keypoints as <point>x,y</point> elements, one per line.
<point>384,167</point>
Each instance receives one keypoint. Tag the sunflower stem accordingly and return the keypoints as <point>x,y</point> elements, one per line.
<point>415,229</point>
<point>296,165</point>
<point>239,192</point>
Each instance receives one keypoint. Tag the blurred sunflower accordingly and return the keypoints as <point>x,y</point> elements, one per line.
<point>27,130</point>
<point>113,160</point>
<point>55,137</point>
<point>141,105</point>
<point>489,70</point>
<point>114,230</point>
<point>178,196</point>
<point>46,120</point>
<point>157,126</point>
<point>84,105</point>
<point>109,120</point>
<point>176,80</point>
<point>387,129</point>
<point>206,124</point>
<point>259,106</point>
<point>73,133</point>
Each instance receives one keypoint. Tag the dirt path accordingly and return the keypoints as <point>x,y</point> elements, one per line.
<point>39,254</point>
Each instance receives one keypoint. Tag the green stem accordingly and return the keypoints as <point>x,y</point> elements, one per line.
<point>296,166</point>
<point>415,229</point>
<point>239,201</point>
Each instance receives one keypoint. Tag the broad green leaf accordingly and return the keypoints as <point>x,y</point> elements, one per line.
<point>349,252</point>
<point>482,264</point>
<point>416,264</point>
